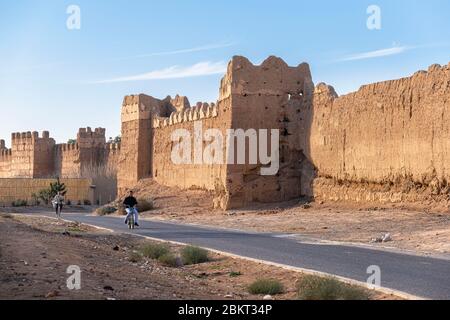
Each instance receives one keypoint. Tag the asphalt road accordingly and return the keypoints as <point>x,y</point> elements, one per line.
<point>421,276</point>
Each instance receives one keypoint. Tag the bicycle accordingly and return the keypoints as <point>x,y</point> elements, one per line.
<point>130,219</point>
<point>131,222</point>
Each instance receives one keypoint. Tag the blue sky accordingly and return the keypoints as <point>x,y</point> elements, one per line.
<point>53,78</point>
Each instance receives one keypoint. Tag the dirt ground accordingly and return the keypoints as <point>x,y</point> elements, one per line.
<point>35,253</point>
<point>416,228</point>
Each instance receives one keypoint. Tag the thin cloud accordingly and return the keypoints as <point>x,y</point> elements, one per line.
<point>180,51</point>
<point>30,68</point>
<point>377,53</point>
<point>175,72</point>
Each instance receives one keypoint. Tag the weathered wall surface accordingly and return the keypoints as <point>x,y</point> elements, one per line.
<point>269,96</point>
<point>202,174</point>
<point>37,157</point>
<point>5,160</point>
<point>135,158</point>
<point>78,190</point>
<point>390,133</point>
<point>31,155</point>
<point>136,154</point>
<point>67,160</point>
<point>387,142</point>
<point>112,156</point>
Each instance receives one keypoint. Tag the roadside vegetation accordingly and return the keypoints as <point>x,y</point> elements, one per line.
<point>135,257</point>
<point>170,260</point>
<point>19,203</point>
<point>194,255</point>
<point>326,288</point>
<point>106,210</point>
<point>154,250</point>
<point>266,286</point>
<point>166,256</point>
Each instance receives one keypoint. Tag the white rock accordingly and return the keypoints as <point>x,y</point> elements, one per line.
<point>387,237</point>
<point>268,297</point>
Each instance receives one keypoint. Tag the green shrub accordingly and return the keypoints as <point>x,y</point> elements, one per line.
<point>86,202</point>
<point>326,288</point>
<point>134,257</point>
<point>20,203</point>
<point>169,260</point>
<point>234,274</point>
<point>194,255</point>
<point>106,210</point>
<point>45,195</point>
<point>145,205</point>
<point>57,187</point>
<point>154,251</point>
<point>75,227</point>
<point>266,286</point>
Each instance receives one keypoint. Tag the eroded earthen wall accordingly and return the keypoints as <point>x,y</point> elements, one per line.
<point>197,174</point>
<point>269,96</point>
<point>5,163</point>
<point>13,189</point>
<point>67,160</point>
<point>388,133</point>
<point>34,157</point>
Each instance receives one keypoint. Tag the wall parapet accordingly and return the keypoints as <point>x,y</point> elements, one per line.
<point>199,112</point>
<point>20,137</point>
<point>6,152</point>
<point>64,147</point>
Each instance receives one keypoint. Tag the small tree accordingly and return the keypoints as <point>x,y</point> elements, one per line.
<point>71,141</point>
<point>57,187</point>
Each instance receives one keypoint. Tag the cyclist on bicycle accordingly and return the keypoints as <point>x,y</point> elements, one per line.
<point>58,202</point>
<point>130,204</point>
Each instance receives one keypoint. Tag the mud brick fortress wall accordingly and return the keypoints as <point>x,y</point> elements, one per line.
<point>30,156</point>
<point>89,155</point>
<point>13,189</point>
<point>385,141</point>
<point>203,176</point>
<point>389,141</point>
<point>35,157</point>
<point>147,125</point>
<point>269,96</point>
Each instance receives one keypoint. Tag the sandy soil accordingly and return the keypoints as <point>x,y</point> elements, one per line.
<point>416,228</point>
<point>35,253</point>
